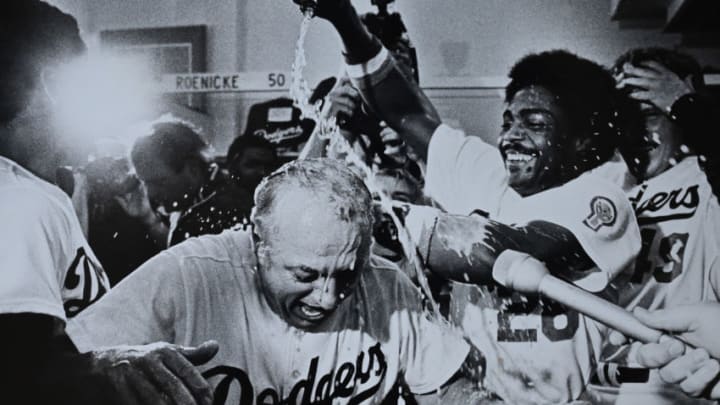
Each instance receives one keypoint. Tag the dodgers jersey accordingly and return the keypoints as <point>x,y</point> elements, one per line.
<point>678,264</point>
<point>46,264</point>
<point>207,288</point>
<point>528,340</point>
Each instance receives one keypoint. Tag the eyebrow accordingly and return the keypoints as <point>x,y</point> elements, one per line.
<point>528,111</point>
<point>322,272</point>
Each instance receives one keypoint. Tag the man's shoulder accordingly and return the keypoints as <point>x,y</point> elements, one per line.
<point>27,199</point>
<point>592,181</point>
<point>227,257</point>
<point>228,246</point>
<point>447,139</point>
<point>385,279</point>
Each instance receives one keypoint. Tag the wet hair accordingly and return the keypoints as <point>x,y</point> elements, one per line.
<point>584,90</point>
<point>345,193</point>
<point>679,63</point>
<point>172,141</point>
<point>35,36</point>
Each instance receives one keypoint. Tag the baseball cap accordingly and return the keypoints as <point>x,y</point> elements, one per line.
<point>279,122</point>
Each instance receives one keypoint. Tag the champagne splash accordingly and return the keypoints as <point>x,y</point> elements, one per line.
<point>328,129</point>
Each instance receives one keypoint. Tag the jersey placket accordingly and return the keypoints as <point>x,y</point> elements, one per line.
<point>295,357</point>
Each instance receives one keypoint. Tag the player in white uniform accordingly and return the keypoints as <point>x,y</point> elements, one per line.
<point>557,126</point>
<point>677,212</point>
<point>48,273</point>
<point>59,277</point>
<point>299,319</point>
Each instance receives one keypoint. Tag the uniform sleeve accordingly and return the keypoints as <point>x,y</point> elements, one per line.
<point>711,250</point>
<point>600,216</point>
<point>464,173</point>
<point>432,350</point>
<point>34,234</point>
<point>143,308</point>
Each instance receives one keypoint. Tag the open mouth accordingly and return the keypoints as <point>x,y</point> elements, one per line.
<point>517,157</point>
<point>309,313</point>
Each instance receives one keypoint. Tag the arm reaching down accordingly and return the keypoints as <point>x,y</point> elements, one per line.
<point>41,366</point>
<point>392,96</point>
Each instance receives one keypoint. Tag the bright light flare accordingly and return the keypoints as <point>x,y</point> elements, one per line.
<point>100,95</point>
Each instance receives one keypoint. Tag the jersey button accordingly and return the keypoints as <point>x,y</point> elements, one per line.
<point>296,374</point>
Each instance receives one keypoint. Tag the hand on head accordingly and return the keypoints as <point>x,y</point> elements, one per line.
<point>653,83</point>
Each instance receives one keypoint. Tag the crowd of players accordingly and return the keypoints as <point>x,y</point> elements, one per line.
<point>244,281</point>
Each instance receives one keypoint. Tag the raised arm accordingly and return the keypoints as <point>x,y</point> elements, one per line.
<point>393,97</point>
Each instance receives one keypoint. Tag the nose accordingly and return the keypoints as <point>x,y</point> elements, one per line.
<point>325,294</point>
<point>515,133</point>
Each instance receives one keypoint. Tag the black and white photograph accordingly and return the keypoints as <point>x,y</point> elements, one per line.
<point>309,202</point>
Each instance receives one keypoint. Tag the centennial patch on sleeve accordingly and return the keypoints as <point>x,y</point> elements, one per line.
<point>602,212</point>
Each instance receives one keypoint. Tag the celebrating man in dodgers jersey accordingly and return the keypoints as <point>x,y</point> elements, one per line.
<point>557,126</point>
<point>679,216</point>
<point>47,271</point>
<point>302,312</point>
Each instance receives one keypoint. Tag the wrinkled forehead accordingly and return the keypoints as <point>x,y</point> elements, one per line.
<point>311,222</point>
<point>535,98</point>
<point>317,243</point>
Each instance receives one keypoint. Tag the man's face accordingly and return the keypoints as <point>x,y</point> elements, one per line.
<point>253,164</point>
<point>530,140</point>
<point>397,187</point>
<point>309,260</point>
<point>175,191</point>
<point>652,151</point>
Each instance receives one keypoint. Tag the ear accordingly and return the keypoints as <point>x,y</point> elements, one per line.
<point>690,81</point>
<point>48,83</point>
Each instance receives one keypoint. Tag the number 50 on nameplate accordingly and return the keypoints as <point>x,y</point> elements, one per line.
<point>224,82</point>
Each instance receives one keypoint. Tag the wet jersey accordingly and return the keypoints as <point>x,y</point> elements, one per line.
<point>207,288</point>
<point>538,342</point>
<point>679,262</point>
